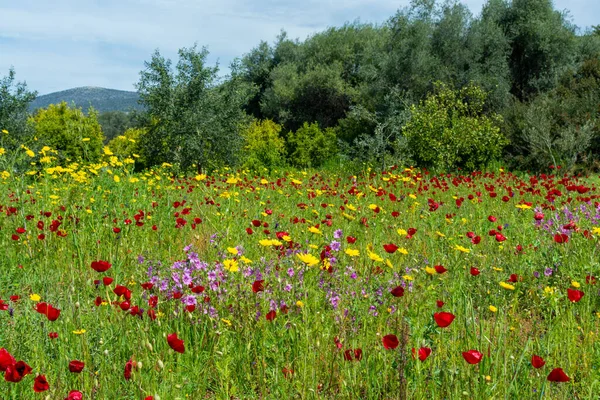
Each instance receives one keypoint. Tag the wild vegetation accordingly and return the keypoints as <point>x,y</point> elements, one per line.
<point>335,219</point>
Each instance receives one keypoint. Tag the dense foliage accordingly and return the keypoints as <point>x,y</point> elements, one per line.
<point>360,92</point>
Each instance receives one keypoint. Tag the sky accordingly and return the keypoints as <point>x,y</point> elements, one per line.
<point>61,44</point>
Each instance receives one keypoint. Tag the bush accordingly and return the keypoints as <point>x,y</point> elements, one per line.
<point>449,130</point>
<point>263,148</point>
<point>127,145</point>
<point>76,136</point>
<point>311,147</point>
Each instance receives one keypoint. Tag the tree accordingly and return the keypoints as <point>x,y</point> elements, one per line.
<point>310,147</point>
<point>114,123</point>
<point>14,109</point>
<point>264,147</point>
<point>191,119</point>
<point>449,130</point>
<point>542,46</point>
<point>77,137</point>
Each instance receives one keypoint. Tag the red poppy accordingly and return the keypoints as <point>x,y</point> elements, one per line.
<point>48,310</point>
<point>398,291</point>
<point>74,395</point>
<point>513,278</point>
<point>440,269</point>
<point>348,355</point>
<point>358,354</point>
<point>6,359</point>
<point>40,384</point>
<point>491,218</point>
<point>558,375</point>
<point>107,280</point>
<point>443,319</point>
<point>476,240</point>
<point>15,373</point>
<point>390,248</point>
<point>390,342</point>
<point>128,369</point>
<point>53,335</point>
<point>122,291</point>
<point>590,280</point>
<point>116,230</point>
<point>472,356</point>
<point>175,343</point>
<point>351,239</point>
<point>574,295</point>
<point>258,286</point>
<point>101,266</point>
<point>424,352</point>
<point>500,237</point>
<point>537,361</point>
<point>287,372</point>
<point>561,238</point>
<point>474,271</point>
<point>147,285</point>
<point>271,315</point>
<point>76,366</point>
<point>439,303</point>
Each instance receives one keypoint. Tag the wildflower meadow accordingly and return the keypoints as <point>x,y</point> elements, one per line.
<point>296,285</point>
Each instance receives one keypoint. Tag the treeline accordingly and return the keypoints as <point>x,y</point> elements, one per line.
<point>434,86</point>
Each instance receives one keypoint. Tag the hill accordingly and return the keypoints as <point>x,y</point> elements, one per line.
<point>100,98</point>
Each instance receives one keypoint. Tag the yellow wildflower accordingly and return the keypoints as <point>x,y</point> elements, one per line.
<point>231,265</point>
<point>507,286</point>
<point>35,297</point>
<point>493,309</point>
<point>430,270</point>
<point>308,259</point>
<point>79,332</point>
<point>352,252</point>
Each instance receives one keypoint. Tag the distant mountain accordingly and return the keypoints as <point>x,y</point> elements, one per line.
<point>101,99</point>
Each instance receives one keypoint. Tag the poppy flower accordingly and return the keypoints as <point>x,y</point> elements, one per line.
<point>440,269</point>
<point>107,280</point>
<point>390,342</point>
<point>472,356</point>
<point>15,373</point>
<point>147,285</point>
<point>558,375</point>
<point>439,303</point>
<point>491,218</point>
<point>76,366</point>
<point>358,353</point>
<point>561,238</point>
<point>6,359</point>
<point>348,355</point>
<point>53,335</point>
<point>101,266</point>
<point>258,286</point>
<point>271,315</point>
<point>574,295</point>
<point>537,361</point>
<point>175,343</point>
<point>476,240</point>
<point>122,291</point>
<point>398,291</point>
<point>500,237</point>
<point>128,369</point>
<point>443,319</point>
<point>423,353</point>
<point>513,278</point>
<point>74,395</point>
<point>40,384</point>
<point>390,248</point>
<point>351,239</point>
<point>589,279</point>
<point>474,271</point>
<point>48,310</point>
<point>287,372</point>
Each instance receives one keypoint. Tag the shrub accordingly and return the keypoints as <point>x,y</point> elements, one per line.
<point>76,136</point>
<point>311,147</point>
<point>127,145</point>
<point>263,148</point>
<point>449,130</point>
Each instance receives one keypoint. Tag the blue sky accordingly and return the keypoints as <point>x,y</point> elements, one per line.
<point>60,44</point>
